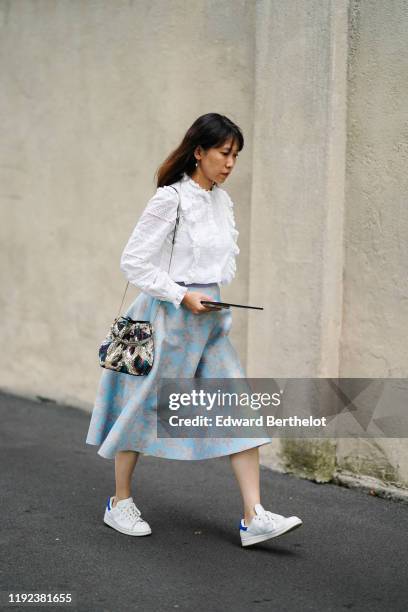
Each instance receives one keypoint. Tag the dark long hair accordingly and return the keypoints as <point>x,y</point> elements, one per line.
<point>210,130</point>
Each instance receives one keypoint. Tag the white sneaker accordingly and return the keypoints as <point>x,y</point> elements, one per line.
<point>266,525</point>
<point>126,518</point>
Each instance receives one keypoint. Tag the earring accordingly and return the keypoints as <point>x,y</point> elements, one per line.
<point>196,164</point>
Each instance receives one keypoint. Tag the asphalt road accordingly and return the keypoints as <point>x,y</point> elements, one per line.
<point>350,554</point>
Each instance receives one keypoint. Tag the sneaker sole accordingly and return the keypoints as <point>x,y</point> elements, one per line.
<point>267,536</point>
<point>117,527</point>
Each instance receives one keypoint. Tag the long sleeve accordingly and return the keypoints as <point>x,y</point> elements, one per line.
<point>140,257</point>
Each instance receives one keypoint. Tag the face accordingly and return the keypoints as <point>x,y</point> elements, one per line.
<point>217,163</point>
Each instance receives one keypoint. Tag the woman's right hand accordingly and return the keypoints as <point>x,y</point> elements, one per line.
<point>191,300</point>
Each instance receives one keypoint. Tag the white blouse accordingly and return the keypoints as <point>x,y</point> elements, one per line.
<point>205,245</point>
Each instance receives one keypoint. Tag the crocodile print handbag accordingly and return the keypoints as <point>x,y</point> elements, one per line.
<point>129,345</point>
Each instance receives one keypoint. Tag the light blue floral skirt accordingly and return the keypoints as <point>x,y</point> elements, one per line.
<point>187,345</point>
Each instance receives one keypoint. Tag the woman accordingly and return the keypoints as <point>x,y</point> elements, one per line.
<point>191,339</point>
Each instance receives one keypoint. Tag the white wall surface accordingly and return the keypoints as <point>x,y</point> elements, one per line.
<point>94,96</point>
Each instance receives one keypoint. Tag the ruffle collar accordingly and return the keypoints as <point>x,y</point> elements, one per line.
<point>196,187</point>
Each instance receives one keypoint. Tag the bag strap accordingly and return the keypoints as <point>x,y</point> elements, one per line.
<point>172,246</point>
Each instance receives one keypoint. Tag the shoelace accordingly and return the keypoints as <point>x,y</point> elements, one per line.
<point>269,516</point>
<point>273,515</point>
<point>132,512</point>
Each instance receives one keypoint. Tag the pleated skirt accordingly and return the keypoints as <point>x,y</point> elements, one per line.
<point>187,345</point>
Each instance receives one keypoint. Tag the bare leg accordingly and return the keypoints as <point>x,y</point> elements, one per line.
<point>125,462</point>
<point>245,465</point>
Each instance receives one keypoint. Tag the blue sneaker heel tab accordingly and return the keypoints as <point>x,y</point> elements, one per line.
<point>242,526</point>
<point>108,504</point>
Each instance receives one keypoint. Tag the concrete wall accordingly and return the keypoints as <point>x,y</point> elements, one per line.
<point>375,305</point>
<point>95,95</point>
<point>298,204</point>
<point>337,254</point>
